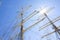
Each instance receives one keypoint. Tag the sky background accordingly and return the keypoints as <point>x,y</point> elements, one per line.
<point>9,9</point>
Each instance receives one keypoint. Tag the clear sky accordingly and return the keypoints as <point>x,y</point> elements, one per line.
<point>9,9</point>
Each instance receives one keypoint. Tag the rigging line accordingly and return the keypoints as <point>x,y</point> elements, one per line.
<point>50,33</point>
<point>9,26</point>
<point>52,24</point>
<point>6,31</point>
<point>11,31</point>
<point>47,34</point>
<point>18,15</point>
<point>57,32</point>
<point>47,24</point>
<point>34,24</point>
<point>12,37</point>
<point>15,26</point>
<point>17,35</point>
<point>32,14</point>
<point>27,7</point>
<point>47,12</point>
<point>57,35</point>
<point>28,27</point>
<point>24,10</point>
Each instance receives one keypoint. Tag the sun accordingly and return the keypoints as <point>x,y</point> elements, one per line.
<point>43,11</point>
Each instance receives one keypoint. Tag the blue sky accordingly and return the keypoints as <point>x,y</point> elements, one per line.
<point>9,9</point>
